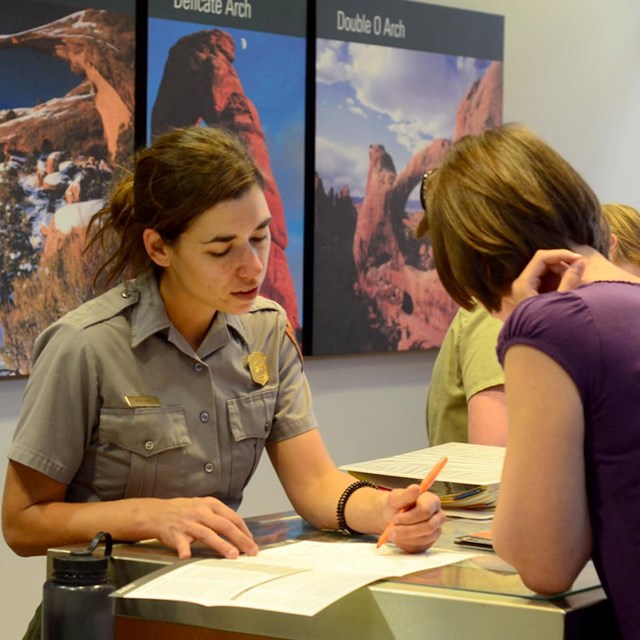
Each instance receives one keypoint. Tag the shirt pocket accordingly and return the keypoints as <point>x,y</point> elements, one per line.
<point>250,419</point>
<point>141,453</point>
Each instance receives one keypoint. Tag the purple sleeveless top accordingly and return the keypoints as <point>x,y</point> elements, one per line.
<point>593,333</point>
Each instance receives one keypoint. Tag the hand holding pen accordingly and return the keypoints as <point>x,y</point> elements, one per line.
<point>425,485</point>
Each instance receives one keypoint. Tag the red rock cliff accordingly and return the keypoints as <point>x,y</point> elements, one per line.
<point>395,274</point>
<point>201,83</point>
<point>99,46</point>
<point>481,108</point>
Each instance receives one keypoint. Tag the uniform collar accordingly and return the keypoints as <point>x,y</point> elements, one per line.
<point>150,317</point>
<point>219,333</point>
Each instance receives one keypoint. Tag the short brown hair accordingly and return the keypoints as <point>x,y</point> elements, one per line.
<point>496,199</point>
<point>182,174</point>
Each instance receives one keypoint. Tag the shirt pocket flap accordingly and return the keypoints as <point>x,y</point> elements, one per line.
<point>145,431</point>
<point>251,416</point>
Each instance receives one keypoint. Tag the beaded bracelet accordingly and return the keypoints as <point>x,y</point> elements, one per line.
<point>343,527</point>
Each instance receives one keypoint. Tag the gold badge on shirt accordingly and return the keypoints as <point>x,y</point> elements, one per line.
<point>257,362</point>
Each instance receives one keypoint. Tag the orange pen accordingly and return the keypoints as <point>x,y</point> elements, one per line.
<point>425,485</point>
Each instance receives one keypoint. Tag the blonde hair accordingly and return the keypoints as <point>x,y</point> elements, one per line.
<point>624,223</point>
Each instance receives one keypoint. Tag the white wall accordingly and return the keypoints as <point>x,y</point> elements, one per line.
<point>572,73</point>
<point>21,579</point>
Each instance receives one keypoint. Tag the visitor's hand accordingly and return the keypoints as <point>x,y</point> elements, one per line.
<point>548,270</point>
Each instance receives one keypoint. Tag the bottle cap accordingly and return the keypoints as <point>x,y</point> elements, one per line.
<point>84,562</point>
<point>82,565</point>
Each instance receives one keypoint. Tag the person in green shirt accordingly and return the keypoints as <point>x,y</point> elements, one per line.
<point>466,401</point>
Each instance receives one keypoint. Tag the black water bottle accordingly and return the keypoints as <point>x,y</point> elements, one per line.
<point>76,603</point>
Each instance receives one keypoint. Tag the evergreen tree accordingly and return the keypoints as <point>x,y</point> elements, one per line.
<point>17,253</point>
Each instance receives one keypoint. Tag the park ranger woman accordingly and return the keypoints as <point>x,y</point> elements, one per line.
<point>148,407</point>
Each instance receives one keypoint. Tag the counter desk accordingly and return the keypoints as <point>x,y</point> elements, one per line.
<point>476,599</point>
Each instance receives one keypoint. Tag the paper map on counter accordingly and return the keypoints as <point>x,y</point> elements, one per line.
<point>299,578</point>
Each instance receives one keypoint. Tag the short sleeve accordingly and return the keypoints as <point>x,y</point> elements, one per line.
<point>561,326</point>
<point>479,365</point>
<point>293,412</point>
<point>60,405</point>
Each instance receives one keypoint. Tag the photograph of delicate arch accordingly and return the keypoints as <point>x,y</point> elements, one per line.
<point>66,123</point>
<point>385,115</point>
<point>248,76</point>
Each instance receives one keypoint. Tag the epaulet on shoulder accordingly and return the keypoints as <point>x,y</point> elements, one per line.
<point>292,336</point>
<point>265,304</point>
<point>102,308</point>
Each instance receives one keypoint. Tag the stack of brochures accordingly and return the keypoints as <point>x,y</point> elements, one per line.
<point>467,486</point>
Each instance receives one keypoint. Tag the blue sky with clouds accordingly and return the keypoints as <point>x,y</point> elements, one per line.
<point>48,77</point>
<point>368,94</point>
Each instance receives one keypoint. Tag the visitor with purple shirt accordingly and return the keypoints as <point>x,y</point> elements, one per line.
<point>515,227</point>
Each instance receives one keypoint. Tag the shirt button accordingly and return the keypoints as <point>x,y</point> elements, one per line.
<point>198,367</point>
<point>204,416</point>
<point>266,426</point>
<point>208,467</point>
<point>149,445</point>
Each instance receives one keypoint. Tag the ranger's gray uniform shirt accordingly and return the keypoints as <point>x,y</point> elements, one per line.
<point>202,422</point>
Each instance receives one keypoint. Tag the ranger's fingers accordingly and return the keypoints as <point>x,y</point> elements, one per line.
<point>238,537</point>
<point>203,533</point>
<point>183,547</point>
<point>222,510</point>
<point>427,505</point>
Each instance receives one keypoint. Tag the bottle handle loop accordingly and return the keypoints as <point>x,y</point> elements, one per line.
<point>108,545</point>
